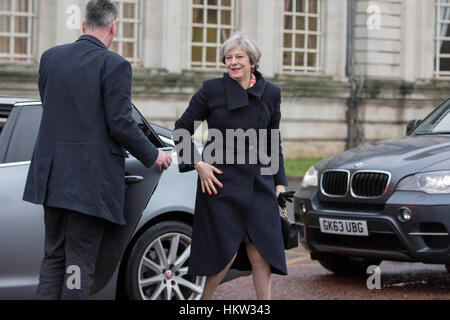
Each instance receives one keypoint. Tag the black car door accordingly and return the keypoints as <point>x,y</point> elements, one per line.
<point>140,184</point>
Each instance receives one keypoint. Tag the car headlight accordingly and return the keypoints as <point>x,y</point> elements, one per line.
<point>311,178</point>
<point>429,182</point>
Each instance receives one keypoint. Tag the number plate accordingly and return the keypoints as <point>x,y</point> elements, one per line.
<point>348,227</point>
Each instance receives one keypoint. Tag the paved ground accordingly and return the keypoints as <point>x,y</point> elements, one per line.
<point>308,280</point>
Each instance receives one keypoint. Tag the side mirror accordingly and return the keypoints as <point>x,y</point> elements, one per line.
<point>412,125</point>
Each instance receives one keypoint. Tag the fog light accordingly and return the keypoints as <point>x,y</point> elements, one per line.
<point>404,214</point>
<point>303,208</point>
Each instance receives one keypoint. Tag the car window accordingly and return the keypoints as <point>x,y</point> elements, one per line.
<point>2,124</point>
<point>438,121</point>
<point>24,135</point>
<point>147,129</point>
<point>26,129</point>
<point>5,111</point>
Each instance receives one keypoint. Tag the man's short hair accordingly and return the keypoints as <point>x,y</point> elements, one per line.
<point>100,14</point>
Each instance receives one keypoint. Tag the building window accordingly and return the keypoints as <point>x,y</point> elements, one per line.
<point>213,22</point>
<point>128,34</point>
<point>17,22</point>
<point>442,39</point>
<point>302,34</point>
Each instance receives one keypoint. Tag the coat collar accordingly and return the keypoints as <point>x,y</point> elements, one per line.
<point>92,39</point>
<point>237,97</point>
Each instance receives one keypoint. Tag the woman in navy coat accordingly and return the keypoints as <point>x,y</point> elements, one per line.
<point>236,220</point>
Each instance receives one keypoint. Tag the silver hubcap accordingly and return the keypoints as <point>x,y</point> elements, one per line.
<point>163,270</point>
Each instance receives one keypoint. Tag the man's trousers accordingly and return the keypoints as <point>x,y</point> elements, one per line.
<point>72,242</point>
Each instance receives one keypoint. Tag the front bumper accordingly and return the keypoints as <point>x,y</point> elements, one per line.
<point>424,238</point>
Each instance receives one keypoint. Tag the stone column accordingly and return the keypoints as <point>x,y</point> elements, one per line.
<point>379,48</point>
<point>411,35</point>
<point>425,41</point>
<point>152,33</point>
<point>333,47</point>
<point>175,40</point>
<point>269,34</point>
<point>58,22</point>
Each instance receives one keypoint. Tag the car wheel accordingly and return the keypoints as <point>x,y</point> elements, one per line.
<point>447,266</point>
<point>342,265</point>
<point>158,264</point>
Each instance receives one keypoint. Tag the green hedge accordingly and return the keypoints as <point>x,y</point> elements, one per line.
<point>297,167</point>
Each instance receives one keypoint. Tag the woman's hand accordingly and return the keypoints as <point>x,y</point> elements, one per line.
<point>279,189</point>
<point>207,178</point>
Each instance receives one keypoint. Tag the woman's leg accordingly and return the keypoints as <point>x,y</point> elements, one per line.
<point>261,273</point>
<point>212,282</point>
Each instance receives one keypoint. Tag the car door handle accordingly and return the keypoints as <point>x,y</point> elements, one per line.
<point>133,179</point>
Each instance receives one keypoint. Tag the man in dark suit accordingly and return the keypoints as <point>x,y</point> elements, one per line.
<point>78,165</point>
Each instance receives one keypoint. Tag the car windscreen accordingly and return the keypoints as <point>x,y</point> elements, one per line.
<point>5,111</point>
<point>24,135</point>
<point>437,122</point>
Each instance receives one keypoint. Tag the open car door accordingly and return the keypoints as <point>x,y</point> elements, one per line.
<point>140,183</point>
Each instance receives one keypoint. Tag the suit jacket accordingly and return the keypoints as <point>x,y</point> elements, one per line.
<point>79,162</point>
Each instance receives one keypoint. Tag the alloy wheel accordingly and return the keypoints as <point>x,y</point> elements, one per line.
<point>163,270</point>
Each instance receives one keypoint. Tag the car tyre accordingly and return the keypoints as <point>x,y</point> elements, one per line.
<point>158,263</point>
<point>346,266</point>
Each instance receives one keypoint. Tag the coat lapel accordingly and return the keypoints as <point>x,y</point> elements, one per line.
<point>258,89</point>
<point>237,97</point>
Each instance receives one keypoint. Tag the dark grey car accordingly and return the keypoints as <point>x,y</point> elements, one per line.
<point>388,200</point>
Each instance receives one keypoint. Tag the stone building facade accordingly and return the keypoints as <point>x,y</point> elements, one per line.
<point>400,52</point>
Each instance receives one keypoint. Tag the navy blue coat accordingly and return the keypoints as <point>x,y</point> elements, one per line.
<point>79,162</point>
<point>245,209</point>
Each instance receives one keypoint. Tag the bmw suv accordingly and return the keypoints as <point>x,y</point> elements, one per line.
<point>388,200</point>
